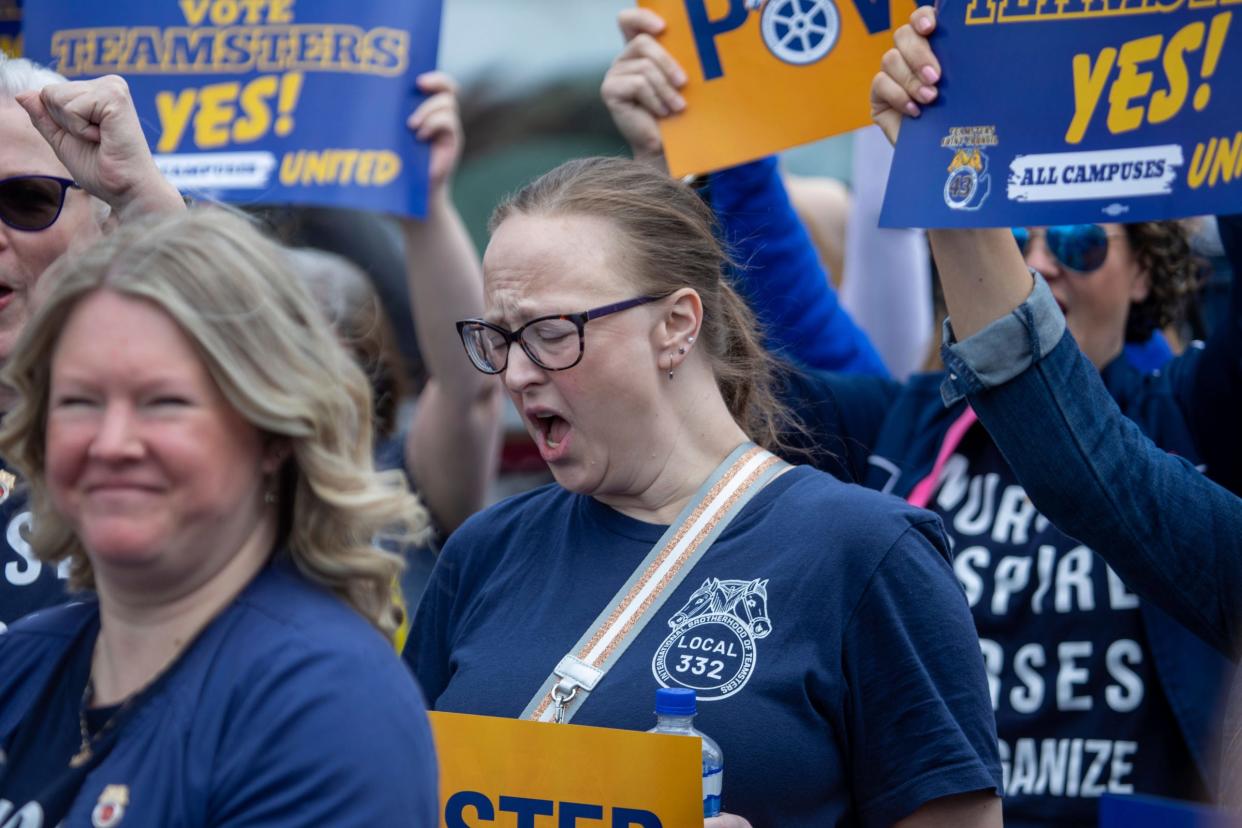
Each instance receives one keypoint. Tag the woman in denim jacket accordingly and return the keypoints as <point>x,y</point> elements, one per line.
<point>1173,534</point>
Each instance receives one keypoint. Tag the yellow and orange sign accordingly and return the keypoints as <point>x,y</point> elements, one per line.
<point>766,75</point>
<point>507,772</point>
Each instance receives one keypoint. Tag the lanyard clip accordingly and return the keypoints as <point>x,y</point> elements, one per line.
<point>560,702</point>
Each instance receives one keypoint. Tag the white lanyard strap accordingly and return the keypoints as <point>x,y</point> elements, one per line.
<point>740,477</point>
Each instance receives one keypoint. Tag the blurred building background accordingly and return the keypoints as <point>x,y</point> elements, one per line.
<point>530,73</point>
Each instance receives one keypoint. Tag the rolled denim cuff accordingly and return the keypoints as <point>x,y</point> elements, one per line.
<point>1005,348</point>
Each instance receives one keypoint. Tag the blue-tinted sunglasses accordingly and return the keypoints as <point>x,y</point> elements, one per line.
<point>1081,248</point>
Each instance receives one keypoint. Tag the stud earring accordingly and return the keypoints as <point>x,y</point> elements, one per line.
<point>681,350</point>
<point>690,340</point>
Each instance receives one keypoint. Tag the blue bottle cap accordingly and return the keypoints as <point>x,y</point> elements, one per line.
<point>675,701</point>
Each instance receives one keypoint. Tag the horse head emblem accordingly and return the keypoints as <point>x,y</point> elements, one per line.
<point>746,601</point>
<point>707,598</point>
<point>753,608</point>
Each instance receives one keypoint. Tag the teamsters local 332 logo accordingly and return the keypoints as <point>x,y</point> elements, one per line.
<point>711,649</point>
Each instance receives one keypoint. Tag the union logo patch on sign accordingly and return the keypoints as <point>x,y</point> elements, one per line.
<point>969,183</point>
<point>711,649</point>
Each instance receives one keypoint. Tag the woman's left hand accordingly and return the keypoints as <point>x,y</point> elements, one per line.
<point>437,121</point>
<point>726,821</point>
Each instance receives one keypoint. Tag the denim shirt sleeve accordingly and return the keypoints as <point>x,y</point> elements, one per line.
<point>1005,348</point>
<point>1173,536</point>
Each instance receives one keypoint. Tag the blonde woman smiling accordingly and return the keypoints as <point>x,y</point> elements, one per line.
<point>215,497</point>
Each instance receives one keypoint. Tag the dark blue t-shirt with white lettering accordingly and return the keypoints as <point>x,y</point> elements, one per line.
<point>849,692</point>
<point>26,583</point>
<point>1080,710</point>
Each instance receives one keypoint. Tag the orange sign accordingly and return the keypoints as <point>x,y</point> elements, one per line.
<point>510,772</point>
<point>766,75</point>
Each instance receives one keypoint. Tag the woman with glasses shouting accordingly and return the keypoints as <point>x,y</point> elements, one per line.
<point>1094,690</point>
<point>674,551</point>
<point>71,155</point>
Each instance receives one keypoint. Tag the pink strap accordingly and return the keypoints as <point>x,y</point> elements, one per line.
<point>921,494</point>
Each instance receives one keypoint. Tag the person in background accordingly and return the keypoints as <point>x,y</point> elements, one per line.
<point>883,275</point>
<point>450,444</point>
<point>887,287</point>
<point>453,443</point>
<point>824,205</point>
<point>72,160</point>
<point>198,450</point>
<point>1074,658</point>
<point>349,302</point>
<point>1172,534</point>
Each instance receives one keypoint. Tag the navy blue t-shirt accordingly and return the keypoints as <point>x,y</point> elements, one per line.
<point>288,710</point>
<point>26,583</point>
<point>850,691</point>
<point>1079,707</point>
<point>38,755</point>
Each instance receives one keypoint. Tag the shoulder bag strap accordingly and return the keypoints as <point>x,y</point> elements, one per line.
<point>734,482</point>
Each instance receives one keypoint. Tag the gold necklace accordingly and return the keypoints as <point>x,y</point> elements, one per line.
<point>85,752</point>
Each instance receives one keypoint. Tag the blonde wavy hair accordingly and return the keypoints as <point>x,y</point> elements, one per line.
<point>274,357</point>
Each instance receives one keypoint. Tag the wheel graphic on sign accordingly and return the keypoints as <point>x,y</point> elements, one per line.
<point>800,31</point>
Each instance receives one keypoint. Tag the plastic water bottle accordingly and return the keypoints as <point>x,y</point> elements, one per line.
<point>675,709</point>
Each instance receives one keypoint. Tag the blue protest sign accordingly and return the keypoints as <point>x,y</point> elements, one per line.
<point>10,27</point>
<point>263,101</point>
<point>1075,111</point>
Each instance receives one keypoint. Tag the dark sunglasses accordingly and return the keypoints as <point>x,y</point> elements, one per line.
<point>32,202</point>
<point>1081,248</point>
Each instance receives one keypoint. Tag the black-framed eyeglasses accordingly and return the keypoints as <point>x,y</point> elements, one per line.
<point>554,342</point>
<point>32,202</point>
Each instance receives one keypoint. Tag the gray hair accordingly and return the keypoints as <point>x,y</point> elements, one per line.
<point>19,75</point>
<point>336,283</point>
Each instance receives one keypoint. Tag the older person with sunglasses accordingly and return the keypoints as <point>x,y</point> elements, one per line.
<point>1094,690</point>
<point>72,155</point>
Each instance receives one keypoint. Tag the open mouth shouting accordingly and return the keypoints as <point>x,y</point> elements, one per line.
<point>551,432</point>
